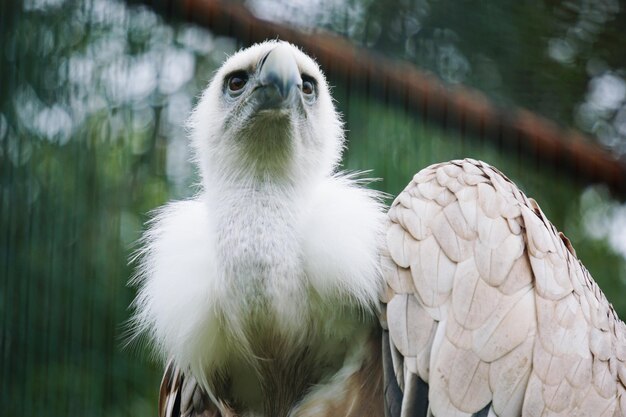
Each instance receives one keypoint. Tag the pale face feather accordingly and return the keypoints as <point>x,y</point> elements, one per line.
<point>227,151</point>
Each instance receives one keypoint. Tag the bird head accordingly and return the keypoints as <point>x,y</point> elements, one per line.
<point>266,116</point>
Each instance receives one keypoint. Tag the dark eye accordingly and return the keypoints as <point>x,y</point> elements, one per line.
<point>237,81</point>
<point>308,85</point>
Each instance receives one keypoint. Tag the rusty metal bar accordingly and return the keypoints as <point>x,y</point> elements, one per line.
<point>401,83</point>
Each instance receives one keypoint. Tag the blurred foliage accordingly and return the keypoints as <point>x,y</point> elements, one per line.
<point>562,59</point>
<point>94,98</point>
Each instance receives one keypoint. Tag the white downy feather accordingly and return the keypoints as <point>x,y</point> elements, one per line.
<point>274,241</point>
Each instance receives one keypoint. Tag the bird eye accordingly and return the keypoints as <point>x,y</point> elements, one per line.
<point>237,81</point>
<point>308,86</point>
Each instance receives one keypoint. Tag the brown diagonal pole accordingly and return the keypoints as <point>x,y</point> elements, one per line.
<point>401,83</point>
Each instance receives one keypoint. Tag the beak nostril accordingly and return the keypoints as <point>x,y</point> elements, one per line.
<point>279,72</point>
<point>262,61</point>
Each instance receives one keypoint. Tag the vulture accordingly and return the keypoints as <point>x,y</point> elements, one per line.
<point>286,289</point>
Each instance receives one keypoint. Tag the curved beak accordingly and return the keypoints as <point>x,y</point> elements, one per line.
<point>279,78</point>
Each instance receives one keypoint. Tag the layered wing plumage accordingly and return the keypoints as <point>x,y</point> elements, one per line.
<point>182,396</point>
<point>488,310</point>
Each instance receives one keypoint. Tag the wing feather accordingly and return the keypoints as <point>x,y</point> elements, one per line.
<point>488,307</point>
<point>182,396</point>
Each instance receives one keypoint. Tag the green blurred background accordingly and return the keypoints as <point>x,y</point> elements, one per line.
<point>93,97</point>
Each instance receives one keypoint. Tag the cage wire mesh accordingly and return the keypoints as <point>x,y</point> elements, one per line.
<point>94,98</point>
